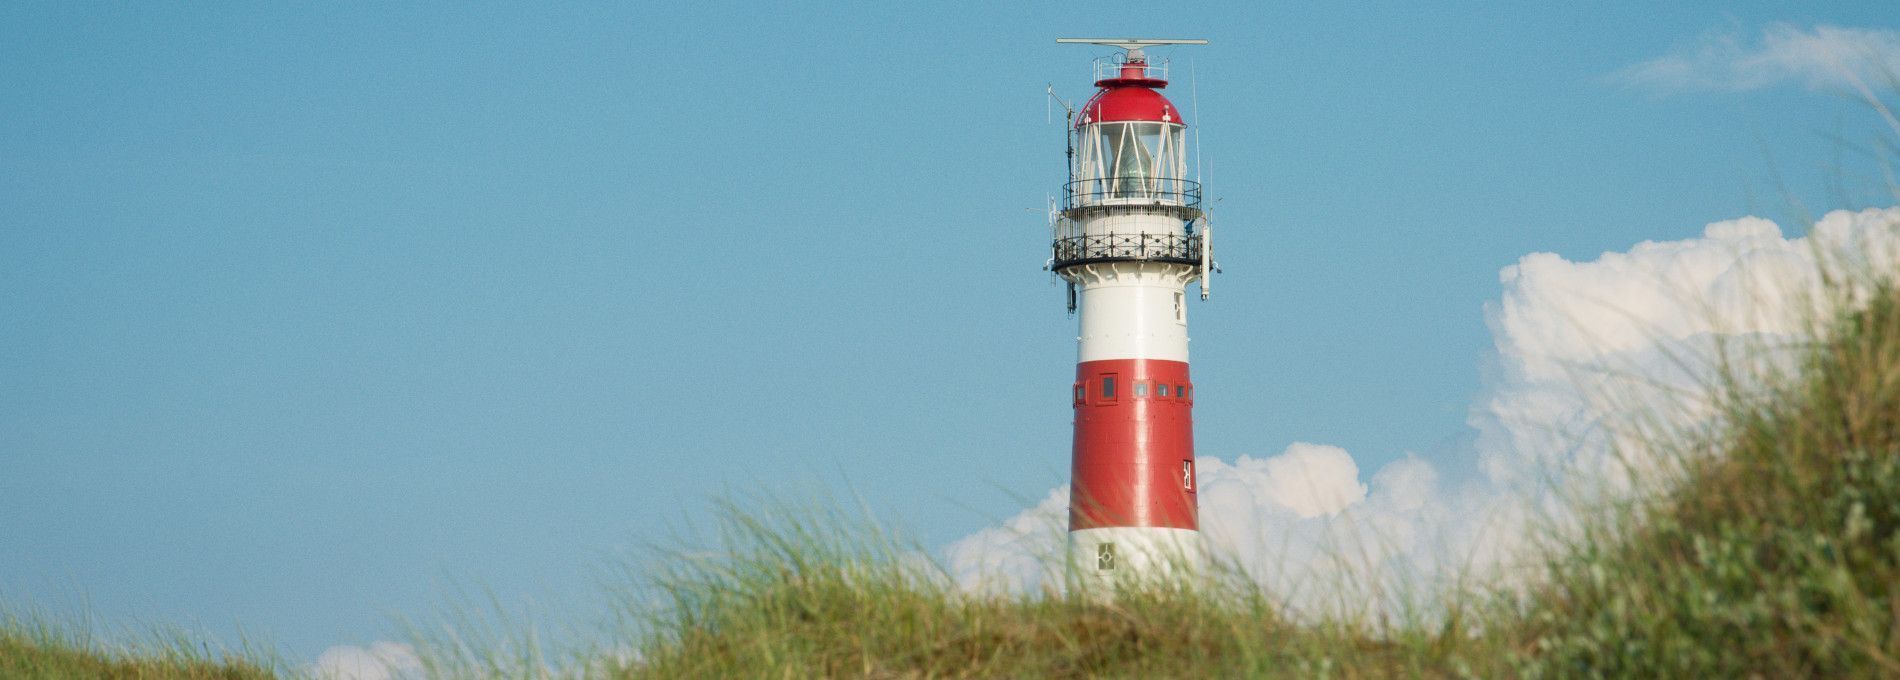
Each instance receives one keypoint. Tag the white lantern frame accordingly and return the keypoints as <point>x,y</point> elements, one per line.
<point>1126,162</point>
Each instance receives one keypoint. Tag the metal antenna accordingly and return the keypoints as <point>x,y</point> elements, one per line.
<point>1049,109</point>
<point>1194,99</point>
<point>1133,45</point>
<point>1207,218</point>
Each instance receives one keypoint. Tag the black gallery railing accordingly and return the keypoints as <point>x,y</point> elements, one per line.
<point>1178,248</point>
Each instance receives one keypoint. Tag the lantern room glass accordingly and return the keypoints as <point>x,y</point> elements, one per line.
<point>1133,146</point>
<point>1131,160</point>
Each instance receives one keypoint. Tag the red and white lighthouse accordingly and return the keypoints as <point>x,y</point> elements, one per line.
<point>1128,238</point>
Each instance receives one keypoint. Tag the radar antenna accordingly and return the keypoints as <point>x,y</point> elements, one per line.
<point>1133,45</point>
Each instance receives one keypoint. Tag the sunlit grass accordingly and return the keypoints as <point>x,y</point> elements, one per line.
<point>1768,545</point>
<point>39,646</point>
<point>1772,547</point>
<point>1775,551</point>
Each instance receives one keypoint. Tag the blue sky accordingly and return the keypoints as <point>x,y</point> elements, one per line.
<point>312,310</point>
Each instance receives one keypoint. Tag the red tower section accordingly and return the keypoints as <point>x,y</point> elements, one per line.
<point>1134,448</point>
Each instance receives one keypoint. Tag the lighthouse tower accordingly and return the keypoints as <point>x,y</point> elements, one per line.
<point>1128,238</point>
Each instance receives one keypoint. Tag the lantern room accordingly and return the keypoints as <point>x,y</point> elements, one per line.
<point>1129,140</point>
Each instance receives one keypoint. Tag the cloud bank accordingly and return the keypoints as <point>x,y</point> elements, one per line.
<point>1818,57</point>
<point>1591,359</point>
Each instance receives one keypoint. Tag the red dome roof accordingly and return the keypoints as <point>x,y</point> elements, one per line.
<point>1118,102</point>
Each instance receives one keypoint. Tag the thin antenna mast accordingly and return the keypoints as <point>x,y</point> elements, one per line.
<point>1068,124</point>
<point>1194,99</point>
<point>1207,218</point>
<point>1055,215</point>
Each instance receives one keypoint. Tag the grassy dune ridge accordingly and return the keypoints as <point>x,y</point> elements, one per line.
<point>1767,545</point>
<point>1778,548</point>
<point>1771,547</point>
<point>33,648</point>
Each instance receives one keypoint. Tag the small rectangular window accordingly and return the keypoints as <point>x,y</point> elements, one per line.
<point>1178,392</point>
<point>1080,393</point>
<point>1161,389</point>
<point>1141,389</point>
<point>1187,475</point>
<point>1105,556</point>
<point>1108,387</point>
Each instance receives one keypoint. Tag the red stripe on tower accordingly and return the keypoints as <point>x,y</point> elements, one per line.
<point>1134,446</point>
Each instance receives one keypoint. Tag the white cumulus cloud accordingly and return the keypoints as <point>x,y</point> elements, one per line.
<point>1586,354</point>
<point>1820,56</point>
<point>382,660</point>
<point>1585,349</point>
<point>1309,479</point>
<point>1018,554</point>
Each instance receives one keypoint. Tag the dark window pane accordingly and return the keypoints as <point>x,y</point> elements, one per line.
<point>1161,389</point>
<point>1108,387</point>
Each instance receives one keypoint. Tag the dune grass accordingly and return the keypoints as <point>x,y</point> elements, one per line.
<point>793,596</point>
<point>34,647</point>
<point>1768,546</point>
<point>1772,549</point>
<point>1776,552</point>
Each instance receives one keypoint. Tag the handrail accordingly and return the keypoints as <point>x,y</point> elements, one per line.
<point>1110,67</point>
<point>1169,191</point>
<point>1177,248</point>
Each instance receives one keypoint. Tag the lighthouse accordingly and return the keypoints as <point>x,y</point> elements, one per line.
<point>1128,238</point>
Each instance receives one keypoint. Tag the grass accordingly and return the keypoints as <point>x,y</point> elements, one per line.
<point>1776,551</point>
<point>33,648</point>
<point>1771,547</point>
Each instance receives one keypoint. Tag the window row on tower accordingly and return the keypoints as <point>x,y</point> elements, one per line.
<point>1107,389</point>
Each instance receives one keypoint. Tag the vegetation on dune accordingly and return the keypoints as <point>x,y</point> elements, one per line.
<point>33,649</point>
<point>828,596</point>
<point>1778,552</point>
<point>1773,549</point>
